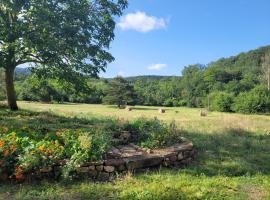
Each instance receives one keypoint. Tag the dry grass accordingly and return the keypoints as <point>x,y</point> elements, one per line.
<point>186,118</point>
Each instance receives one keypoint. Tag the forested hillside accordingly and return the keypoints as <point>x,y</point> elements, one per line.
<point>237,83</point>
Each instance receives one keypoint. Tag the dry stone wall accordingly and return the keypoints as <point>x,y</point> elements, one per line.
<point>128,158</point>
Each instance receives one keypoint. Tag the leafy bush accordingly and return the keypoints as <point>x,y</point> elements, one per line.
<point>23,151</point>
<point>168,102</point>
<point>255,101</point>
<point>221,101</point>
<point>154,133</point>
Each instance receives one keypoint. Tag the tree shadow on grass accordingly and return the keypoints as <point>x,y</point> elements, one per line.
<point>133,108</point>
<point>46,121</point>
<point>235,152</point>
<point>141,108</point>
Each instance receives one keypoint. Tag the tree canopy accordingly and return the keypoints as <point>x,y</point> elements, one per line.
<point>63,39</point>
<point>119,92</point>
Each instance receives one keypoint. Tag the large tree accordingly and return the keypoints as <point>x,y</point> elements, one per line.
<point>119,92</point>
<point>64,39</point>
<point>2,85</point>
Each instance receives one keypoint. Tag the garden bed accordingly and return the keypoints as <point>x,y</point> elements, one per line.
<point>46,145</point>
<point>121,159</point>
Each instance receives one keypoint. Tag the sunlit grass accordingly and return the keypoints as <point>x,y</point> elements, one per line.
<point>185,118</point>
<point>232,161</point>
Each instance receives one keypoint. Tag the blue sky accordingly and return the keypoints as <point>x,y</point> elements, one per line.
<point>160,37</point>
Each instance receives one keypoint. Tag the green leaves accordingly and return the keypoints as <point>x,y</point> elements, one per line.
<point>63,36</point>
<point>119,92</point>
<point>255,101</point>
<point>63,39</point>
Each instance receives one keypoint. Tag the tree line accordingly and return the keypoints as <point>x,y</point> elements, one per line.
<point>235,84</point>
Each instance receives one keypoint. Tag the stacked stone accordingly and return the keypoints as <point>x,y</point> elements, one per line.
<point>102,170</point>
<point>129,158</point>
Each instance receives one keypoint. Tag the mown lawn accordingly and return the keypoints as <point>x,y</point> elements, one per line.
<point>233,159</point>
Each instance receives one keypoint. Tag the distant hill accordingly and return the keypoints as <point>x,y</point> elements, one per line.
<point>24,71</point>
<point>245,61</point>
<point>147,78</point>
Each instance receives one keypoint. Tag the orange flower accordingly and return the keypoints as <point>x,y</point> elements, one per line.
<point>48,151</point>
<point>5,153</point>
<point>2,143</point>
<point>19,176</point>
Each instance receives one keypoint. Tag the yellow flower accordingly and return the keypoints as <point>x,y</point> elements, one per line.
<point>41,148</point>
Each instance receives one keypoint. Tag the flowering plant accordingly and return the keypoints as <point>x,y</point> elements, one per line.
<point>23,151</point>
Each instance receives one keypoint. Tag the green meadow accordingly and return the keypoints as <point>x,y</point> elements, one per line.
<point>232,160</point>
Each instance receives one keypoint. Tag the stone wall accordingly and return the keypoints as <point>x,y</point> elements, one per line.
<point>127,158</point>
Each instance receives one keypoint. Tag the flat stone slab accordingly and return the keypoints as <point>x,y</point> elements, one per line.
<point>134,157</point>
<point>126,151</point>
<point>174,150</point>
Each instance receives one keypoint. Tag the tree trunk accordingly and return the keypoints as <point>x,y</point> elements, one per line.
<point>268,77</point>
<point>11,94</point>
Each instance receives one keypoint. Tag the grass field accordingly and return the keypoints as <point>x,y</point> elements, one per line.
<point>233,159</point>
<point>185,118</point>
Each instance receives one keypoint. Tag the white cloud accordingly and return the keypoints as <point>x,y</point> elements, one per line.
<point>157,66</point>
<point>141,22</point>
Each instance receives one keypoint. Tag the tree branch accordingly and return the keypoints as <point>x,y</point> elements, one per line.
<point>29,58</point>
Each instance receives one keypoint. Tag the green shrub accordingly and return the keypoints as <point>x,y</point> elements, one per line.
<point>221,101</point>
<point>154,133</point>
<point>255,101</point>
<point>182,103</point>
<point>168,102</point>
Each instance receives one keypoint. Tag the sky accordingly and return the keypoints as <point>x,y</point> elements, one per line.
<point>161,37</point>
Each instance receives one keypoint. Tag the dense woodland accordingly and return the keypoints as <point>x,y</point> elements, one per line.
<point>238,84</point>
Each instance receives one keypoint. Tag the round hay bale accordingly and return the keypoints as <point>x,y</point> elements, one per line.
<point>161,110</point>
<point>203,113</point>
<point>128,109</point>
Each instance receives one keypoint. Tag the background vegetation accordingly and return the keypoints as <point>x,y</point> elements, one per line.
<point>236,84</point>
